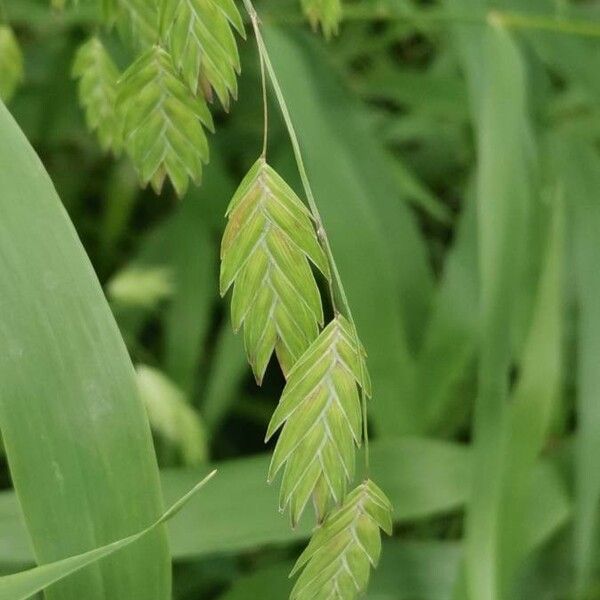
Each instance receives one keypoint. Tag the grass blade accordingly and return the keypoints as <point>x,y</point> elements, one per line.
<point>532,403</point>
<point>75,431</point>
<point>579,171</point>
<point>21,586</point>
<point>503,196</point>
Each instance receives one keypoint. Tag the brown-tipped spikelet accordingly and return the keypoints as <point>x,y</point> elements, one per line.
<point>265,253</point>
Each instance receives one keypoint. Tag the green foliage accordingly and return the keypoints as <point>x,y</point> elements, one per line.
<point>339,557</point>
<point>470,276</point>
<point>11,63</point>
<point>74,429</point>
<point>163,122</point>
<point>202,45</point>
<point>269,239</point>
<point>98,76</point>
<point>321,417</point>
<point>327,13</point>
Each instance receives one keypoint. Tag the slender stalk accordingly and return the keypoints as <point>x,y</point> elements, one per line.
<point>263,80</point>
<point>339,299</point>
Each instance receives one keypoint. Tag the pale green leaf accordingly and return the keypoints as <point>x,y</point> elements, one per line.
<point>75,431</point>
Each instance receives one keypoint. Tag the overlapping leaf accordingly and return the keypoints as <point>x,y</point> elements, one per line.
<point>162,122</point>
<point>326,12</point>
<point>266,248</point>
<point>338,560</point>
<point>98,77</point>
<point>200,40</point>
<point>11,63</point>
<point>321,416</point>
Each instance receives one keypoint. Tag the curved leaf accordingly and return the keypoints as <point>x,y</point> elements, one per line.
<point>75,431</point>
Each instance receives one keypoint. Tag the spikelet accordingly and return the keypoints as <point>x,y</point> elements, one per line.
<point>200,40</point>
<point>267,245</point>
<point>322,423</point>
<point>327,13</point>
<point>163,122</point>
<point>337,562</point>
<point>98,76</point>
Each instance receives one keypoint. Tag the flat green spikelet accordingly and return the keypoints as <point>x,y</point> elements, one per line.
<point>137,20</point>
<point>320,413</point>
<point>327,13</point>
<point>11,63</point>
<point>265,253</point>
<point>162,122</point>
<point>202,45</point>
<point>337,562</point>
<point>98,76</point>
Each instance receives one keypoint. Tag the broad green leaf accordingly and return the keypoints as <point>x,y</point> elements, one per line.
<point>21,586</point>
<point>75,431</point>
<point>267,244</point>
<point>163,122</point>
<point>321,417</point>
<point>579,176</point>
<point>11,63</point>
<point>171,415</point>
<point>98,76</point>
<point>338,559</point>
<point>202,45</point>
<point>533,400</point>
<point>327,13</point>
<point>497,82</point>
<point>450,338</point>
<point>381,257</point>
<point>423,479</point>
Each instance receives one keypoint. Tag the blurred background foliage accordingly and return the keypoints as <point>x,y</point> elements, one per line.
<point>454,151</point>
